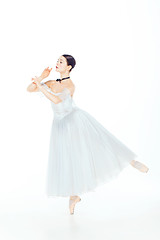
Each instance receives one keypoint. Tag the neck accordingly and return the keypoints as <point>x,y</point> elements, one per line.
<point>64,75</point>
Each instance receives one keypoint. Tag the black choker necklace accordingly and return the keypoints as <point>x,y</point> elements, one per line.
<point>58,79</point>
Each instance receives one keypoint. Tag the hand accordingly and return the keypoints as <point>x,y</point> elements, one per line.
<point>46,72</point>
<point>39,79</point>
<point>36,81</point>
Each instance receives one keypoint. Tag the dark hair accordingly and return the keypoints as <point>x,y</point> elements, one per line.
<point>70,60</point>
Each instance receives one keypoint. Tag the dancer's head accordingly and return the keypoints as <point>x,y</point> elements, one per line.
<point>65,63</point>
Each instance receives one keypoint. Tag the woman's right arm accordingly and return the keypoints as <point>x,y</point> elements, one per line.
<point>33,87</point>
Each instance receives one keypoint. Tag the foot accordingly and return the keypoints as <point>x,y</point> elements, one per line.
<point>72,202</point>
<point>140,166</point>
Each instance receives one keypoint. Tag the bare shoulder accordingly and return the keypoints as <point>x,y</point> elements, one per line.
<point>71,87</point>
<point>50,82</point>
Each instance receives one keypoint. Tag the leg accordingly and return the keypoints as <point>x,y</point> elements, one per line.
<point>72,202</point>
<point>140,166</point>
<point>72,197</point>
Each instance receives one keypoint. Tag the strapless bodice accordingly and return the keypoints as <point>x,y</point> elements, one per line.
<point>66,106</point>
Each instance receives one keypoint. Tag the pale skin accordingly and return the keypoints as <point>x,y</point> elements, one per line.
<point>55,86</point>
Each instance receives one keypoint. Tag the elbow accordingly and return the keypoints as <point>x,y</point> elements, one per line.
<point>58,100</point>
<point>28,90</point>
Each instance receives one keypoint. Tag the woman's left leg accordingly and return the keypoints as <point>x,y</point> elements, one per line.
<point>140,166</point>
<point>72,202</point>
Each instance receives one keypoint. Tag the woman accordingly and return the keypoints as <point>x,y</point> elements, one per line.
<point>82,154</point>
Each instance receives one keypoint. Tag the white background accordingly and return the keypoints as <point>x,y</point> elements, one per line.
<point>116,45</point>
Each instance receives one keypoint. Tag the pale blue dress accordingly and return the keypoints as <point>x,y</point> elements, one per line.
<point>82,153</point>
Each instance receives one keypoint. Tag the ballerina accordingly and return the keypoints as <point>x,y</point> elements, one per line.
<point>82,154</point>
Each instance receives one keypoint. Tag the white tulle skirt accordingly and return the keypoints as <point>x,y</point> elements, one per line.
<point>82,155</point>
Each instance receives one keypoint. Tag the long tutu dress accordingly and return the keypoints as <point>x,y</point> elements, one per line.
<point>82,153</point>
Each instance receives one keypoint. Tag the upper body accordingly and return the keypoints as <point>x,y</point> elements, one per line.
<point>57,87</point>
<point>64,66</point>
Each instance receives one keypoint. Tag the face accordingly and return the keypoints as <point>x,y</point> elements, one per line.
<point>62,66</point>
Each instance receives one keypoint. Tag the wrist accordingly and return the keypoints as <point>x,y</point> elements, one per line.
<point>40,79</point>
<point>39,86</point>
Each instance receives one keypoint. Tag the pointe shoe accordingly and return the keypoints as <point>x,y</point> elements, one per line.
<point>140,166</point>
<point>72,203</point>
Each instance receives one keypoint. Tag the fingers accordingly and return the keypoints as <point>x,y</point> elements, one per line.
<point>48,69</point>
<point>33,81</point>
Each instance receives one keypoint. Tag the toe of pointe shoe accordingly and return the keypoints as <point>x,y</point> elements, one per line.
<point>72,211</point>
<point>145,169</point>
